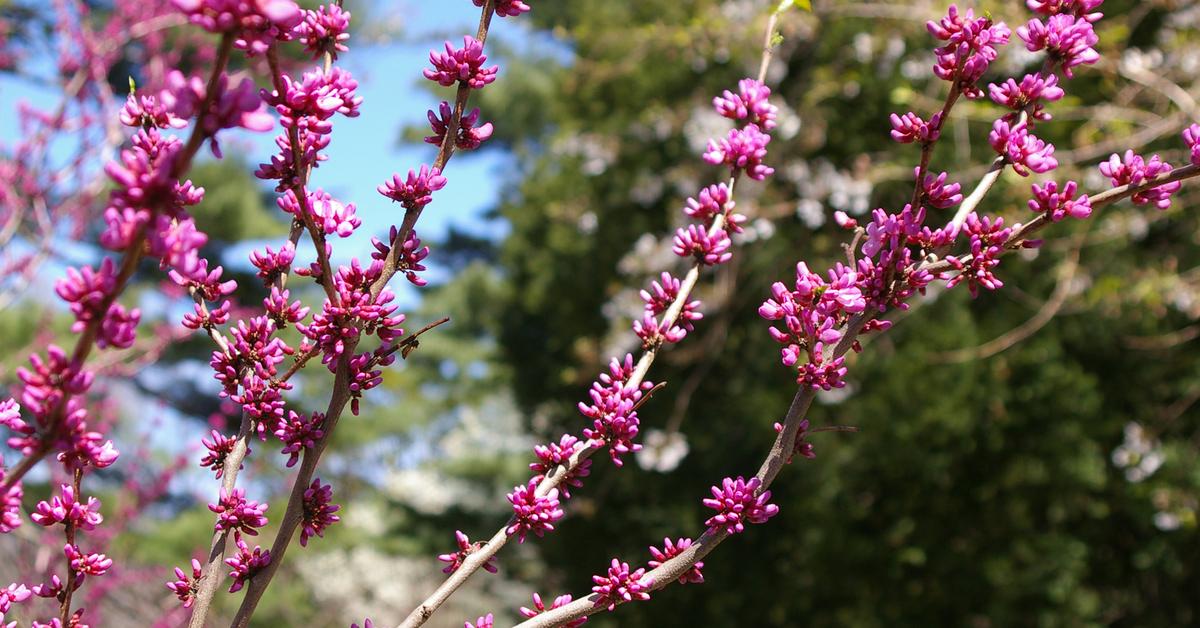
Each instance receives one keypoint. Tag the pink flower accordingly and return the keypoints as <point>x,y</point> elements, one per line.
<point>533,513</point>
<point>507,8</point>
<point>219,448</point>
<point>1078,8</point>
<point>713,201</point>
<point>416,191</point>
<point>1029,94</point>
<point>461,65</point>
<point>937,192</point>
<point>87,564</point>
<point>553,455</point>
<point>800,447</point>
<point>742,149</point>
<point>539,607</point>
<point>318,512</point>
<point>257,23</point>
<point>238,514</point>
<point>1067,40</point>
<point>1020,148</point>
<point>245,564</point>
<point>614,420</point>
<point>1047,199</point>
<point>750,103</point>
<point>737,502</point>
<point>1135,171</point>
<point>469,137</point>
<point>298,433</point>
<point>1191,137</point>
<point>670,550</point>
<point>487,621</point>
<point>621,585</point>
<point>325,30</point>
<point>185,588</point>
<point>988,236</point>
<point>66,510</point>
<point>465,548</point>
<point>709,249</point>
<point>911,128</point>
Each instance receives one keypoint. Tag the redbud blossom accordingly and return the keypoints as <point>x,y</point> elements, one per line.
<point>317,512</point>
<point>1066,39</point>
<point>621,585</point>
<point>1191,137</point>
<point>539,607</point>
<point>416,191</point>
<point>911,128</point>
<point>246,563</point>
<point>742,149</point>
<point>1028,95</point>
<point>238,514</point>
<point>1134,170</point>
<point>709,249</point>
<point>750,103</point>
<point>325,30</point>
<point>465,548</point>
<point>185,587</point>
<point>1048,199</point>
<point>486,621</point>
<point>737,503</point>
<point>507,8</point>
<point>533,513</point>
<point>1021,149</point>
<point>461,64</point>
<point>469,137</point>
<point>670,550</point>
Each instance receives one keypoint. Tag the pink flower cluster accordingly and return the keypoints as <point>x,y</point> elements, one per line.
<point>1134,170</point>
<point>621,585</point>
<point>465,548</point>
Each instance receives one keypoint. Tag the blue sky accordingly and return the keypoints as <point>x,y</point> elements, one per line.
<point>365,151</point>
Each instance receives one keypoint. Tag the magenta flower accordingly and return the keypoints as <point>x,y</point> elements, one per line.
<point>185,588</point>
<point>937,192</point>
<point>1028,94</point>
<point>87,564</point>
<point>750,103</point>
<point>469,137</point>
<point>1078,8</point>
<point>271,264</point>
<point>800,447</point>
<point>487,621</point>
<point>318,513</point>
<point>67,510</point>
<point>245,564</point>
<point>987,245</point>
<point>970,47</point>
<point>614,420</point>
<point>737,502</point>
<point>239,106</point>
<point>298,433</point>
<point>553,455</point>
<point>415,192</point>
<point>712,201</point>
<point>13,593</point>
<point>325,30</point>
<point>531,512</point>
<point>1134,171</point>
<point>709,249</point>
<point>911,128</point>
<point>408,260</point>
<point>146,111</point>
<point>235,513</point>
<point>670,550</point>
<point>1067,40</point>
<point>463,65</point>
<point>507,8</point>
<point>282,311</point>
<point>10,507</point>
<point>539,607</point>
<point>742,149</point>
<point>1021,149</point>
<point>1047,199</point>
<point>465,548</point>
<point>1191,137</point>
<point>257,23</point>
<point>621,585</point>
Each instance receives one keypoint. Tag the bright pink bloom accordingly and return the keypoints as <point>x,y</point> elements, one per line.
<point>737,503</point>
<point>670,550</point>
<point>742,149</point>
<point>1135,171</point>
<point>465,548</point>
<point>185,587</point>
<point>533,513</point>
<point>238,514</point>
<point>245,564</point>
<point>539,607</point>
<point>318,512</point>
<point>416,191</point>
<point>621,585</point>
<point>1047,199</point>
<point>750,103</point>
<point>1066,39</point>
<point>461,65</point>
<point>1021,149</point>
